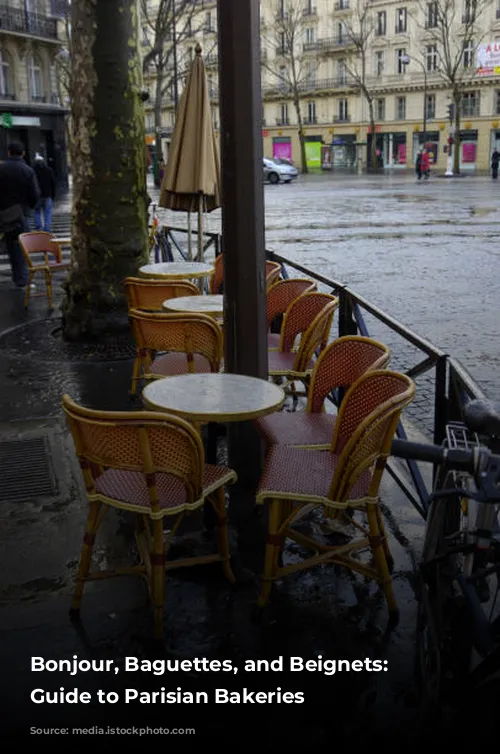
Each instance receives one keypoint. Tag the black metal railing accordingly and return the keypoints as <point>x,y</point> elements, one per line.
<point>448,385</point>
<point>310,85</point>
<point>23,22</point>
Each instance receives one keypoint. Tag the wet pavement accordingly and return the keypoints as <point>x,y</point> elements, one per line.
<point>315,613</point>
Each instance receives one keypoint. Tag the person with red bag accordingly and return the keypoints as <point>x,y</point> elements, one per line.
<point>425,165</point>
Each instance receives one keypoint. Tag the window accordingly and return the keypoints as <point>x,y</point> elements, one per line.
<point>381,25</point>
<point>431,57</point>
<point>208,21</point>
<point>341,32</point>
<point>282,119</point>
<point>6,88</point>
<point>310,34</point>
<point>400,108</point>
<point>341,72</point>
<point>281,9</point>
<point>380,109</point>
<point>469,54</point>
<point>311,112</point>
<point>431,15</point>
<point>401,60</point>
<point>430,106</point>
<point>283,78</point>
<point>401,16</point>
<point>470,12</point>
<point>282,44</point>
<point>470,104</point>
<point>497,102</point>
<point>35,79</point>
<point>343,112</point>
<point>379,63</point>
<point>145,39</point>
<point>150,121</point>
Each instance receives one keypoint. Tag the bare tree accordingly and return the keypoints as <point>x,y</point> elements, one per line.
<point>358,31</point>
<point>291,67</point>
<point>453,31</point>
<point>165,26</point>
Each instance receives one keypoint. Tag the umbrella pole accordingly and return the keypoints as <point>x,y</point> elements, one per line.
<point>200,229</point>
<point>190,252</point>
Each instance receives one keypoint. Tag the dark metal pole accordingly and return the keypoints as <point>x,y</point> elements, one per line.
<point>425,102</point>
<point>242,212</point>
<point>174,50</point>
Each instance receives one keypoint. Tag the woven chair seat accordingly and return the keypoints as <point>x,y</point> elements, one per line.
<point>295,473</point>
<point>176,363</point>
<point>297,428</point>
<point>281,362</point>
<point>129,489</point>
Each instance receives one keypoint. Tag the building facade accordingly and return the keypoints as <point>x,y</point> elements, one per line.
<point>31,110</point>
<point>312,61</point>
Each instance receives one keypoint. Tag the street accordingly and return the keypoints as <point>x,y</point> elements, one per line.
<point>424,252</point>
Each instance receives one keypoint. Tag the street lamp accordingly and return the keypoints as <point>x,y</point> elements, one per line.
<point>406,59</point>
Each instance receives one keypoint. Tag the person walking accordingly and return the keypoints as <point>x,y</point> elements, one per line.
<point>418,165</point>
<point>425,167</point>
<point>19,192</point>
<point>495,159</point>
<point>47,183</point>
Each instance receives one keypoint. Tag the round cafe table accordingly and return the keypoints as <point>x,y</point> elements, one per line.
<point>176,270</point>
<point>212,305</point>
<point>211,399</point>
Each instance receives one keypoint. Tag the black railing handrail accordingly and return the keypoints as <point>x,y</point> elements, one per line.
<point>21,21</point>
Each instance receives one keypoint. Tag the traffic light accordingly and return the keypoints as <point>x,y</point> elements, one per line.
<point>451,112</point>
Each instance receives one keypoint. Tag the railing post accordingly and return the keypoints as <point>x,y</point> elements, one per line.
<point>347,323</point>
<point>440,403</point>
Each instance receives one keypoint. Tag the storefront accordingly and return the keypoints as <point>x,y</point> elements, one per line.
<point>344,151</point>
<point>431,142</point>
<point>313,146</point>
<point>468,149</point>
<point>391,148</point>
<point>40,131</point>
<point>282,147</point>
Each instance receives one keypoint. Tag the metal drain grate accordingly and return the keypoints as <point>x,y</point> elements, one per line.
<point>26,470</point>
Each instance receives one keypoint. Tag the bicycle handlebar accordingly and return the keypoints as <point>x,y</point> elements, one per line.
<point>479,462</point>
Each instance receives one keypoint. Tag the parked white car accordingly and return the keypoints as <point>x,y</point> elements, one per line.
<point>279,170</point>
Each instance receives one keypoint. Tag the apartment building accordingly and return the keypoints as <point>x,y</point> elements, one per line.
<point>30,106</point>
<point>310,60</point>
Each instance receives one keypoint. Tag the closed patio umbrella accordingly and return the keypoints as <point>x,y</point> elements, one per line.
<point>191,182</point>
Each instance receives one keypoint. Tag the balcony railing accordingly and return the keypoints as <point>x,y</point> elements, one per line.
<point>310,85</point>
<point>8,95</point>
<point>282,122</point>
<point>38,98</point>
<point>309,11</point>
<point>331,43</point>
<point>342,119</point>
<point>280,50</point>
<point>341,5</point>
<point>22,22</point>
<point>310,120</point>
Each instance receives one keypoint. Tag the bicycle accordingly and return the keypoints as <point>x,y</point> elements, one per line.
<point>158,241</point>
<point>458,624</point>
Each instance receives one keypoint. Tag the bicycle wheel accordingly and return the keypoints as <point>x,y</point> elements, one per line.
<point>444,626</point>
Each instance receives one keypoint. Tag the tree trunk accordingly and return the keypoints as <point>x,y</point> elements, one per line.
<point>157,120</point>
<point>456,139</point>
<point>303,157</point>
<point>109,235</point>
<point>373,145</point>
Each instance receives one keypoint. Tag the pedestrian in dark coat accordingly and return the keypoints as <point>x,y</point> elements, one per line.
<point>418,165</point>
<point>47,182</point>
<point>19,192</point>
<point>495,159</point>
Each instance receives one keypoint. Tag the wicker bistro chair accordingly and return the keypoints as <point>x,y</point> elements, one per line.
<point>310,316</point>
<point>149,294</point>
<point>216,280</point>
<point>39,242</point>
<point>152,465</point>
<point>273,271</point>
<point>346,477</point>
<point>279,297</point>
<point>338,366</point>
<point>193,342</point>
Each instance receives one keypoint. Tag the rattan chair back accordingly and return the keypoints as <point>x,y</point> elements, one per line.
<point>282,293</point>
<point>366,423</point>
<point>273,271</point>
<point>141,441</point>
<point>316,336</point>
<point>39,242</point>
<point>340,365</point>
<point>300,315</point>
<point>182,333</point>
<point>216,282</point>
<point>149,294</point>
